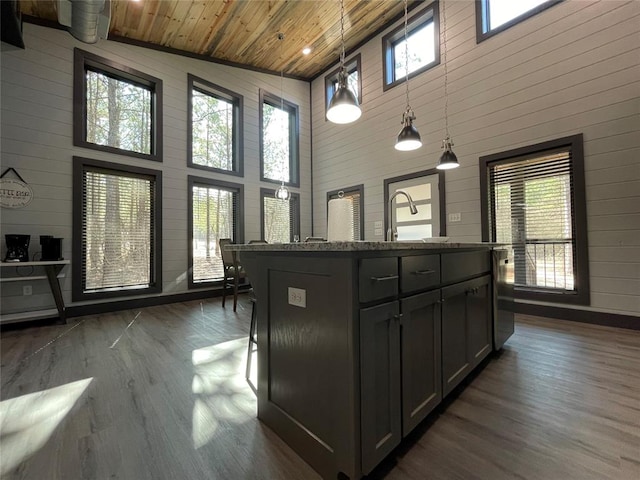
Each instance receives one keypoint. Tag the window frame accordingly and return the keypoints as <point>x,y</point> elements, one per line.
<point>354,64</point>
<point>295,227</point>
<point>429,13</point>
<point>238,237</point>
<point>82,164</point>
<point>237,133</point>
<point>83,60</point>
<point>482,18</point>
<point>355,188</point>
<point>582,293</point>
<point>294,137</point>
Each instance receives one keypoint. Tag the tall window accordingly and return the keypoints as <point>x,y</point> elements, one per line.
<point>279,140</point>
<point>280,218</point>
<point>354,81</point>
<point>423,42</point>
<point>116,108</point>
<point>494,16</point>
<point>354,194</point>
<point>215,128</point>
<point>535,204</point>
<point>117,225</point>
<point>215,212</point>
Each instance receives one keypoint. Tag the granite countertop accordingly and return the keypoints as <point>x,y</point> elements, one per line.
<point>358,246</point>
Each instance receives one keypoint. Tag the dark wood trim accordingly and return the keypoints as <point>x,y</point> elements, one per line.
<point>578,315</point>
<point>311,160</point>
<point>11,30</point>
<point>237,133</point>
<point>333,76</point>
<point>294,140</point>
<point>82,59</point>
<point>79,166</point>
<point>238,226</point>
<point>441,195</point>
<point>482,19</point>
<point>398,33</point>
<point>354,188</point>
<point>295,198</point>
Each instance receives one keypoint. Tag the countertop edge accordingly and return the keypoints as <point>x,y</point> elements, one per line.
<point>356,246</point>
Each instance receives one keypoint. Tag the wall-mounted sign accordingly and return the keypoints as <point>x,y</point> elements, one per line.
<point>14,192</point>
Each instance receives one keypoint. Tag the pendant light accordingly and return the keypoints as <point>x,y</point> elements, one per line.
<point>282,193</point>
<point>343,107</point>
<point>408,138</point>
<point>448,160</point>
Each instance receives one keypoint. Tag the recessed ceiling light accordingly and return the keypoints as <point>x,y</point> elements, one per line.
<point>306,50</point>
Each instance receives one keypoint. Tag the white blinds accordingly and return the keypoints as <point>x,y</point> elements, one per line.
<point>117,231</point>
<point>280,219</point>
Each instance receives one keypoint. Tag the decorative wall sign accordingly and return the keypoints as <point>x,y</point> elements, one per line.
<point>14,192</point>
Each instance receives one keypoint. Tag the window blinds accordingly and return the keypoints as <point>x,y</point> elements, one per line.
<point>280,219</point>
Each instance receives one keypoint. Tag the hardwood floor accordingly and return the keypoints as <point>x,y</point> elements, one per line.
<point>159,393</point>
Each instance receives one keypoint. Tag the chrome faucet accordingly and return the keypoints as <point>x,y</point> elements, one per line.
<point>392,232</point>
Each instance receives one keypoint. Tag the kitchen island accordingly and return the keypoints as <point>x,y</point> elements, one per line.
<point>359,341</point>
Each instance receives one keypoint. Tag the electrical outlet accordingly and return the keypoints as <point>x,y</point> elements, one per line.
<point>377,232</point>
<point>297,297</point>
<point>454,217</point>
<point>26,290</point>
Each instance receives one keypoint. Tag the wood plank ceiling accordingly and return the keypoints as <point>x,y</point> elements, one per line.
<point>245,31</point>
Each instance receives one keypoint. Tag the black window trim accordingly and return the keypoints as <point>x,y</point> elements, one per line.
<point>84,59</point>
<point>294,140</point>
<point>237,100</point>
<point>482,19</point>
<point>238,189</point>
<point>582,293</point>
<point>355,188</point>
<point>352,64</point>
<point>80,164</point>
<point>416,21</point>
<point>268,192</point>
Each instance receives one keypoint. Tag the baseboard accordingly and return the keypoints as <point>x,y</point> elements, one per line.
<point>577,315</point>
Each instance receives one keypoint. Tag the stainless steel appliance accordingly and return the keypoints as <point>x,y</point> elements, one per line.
<point>17,247</point>
<point>503,321</point>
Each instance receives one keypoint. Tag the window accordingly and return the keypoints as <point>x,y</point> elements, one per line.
<point>215,212</point>
<point>215,127</point>
<point>116,230</point>
<point>279,158</point>
<point>423,39</point>
<point>356,195</point>
<point>280,218</point>
<point>354,81</point>
<point>116,108</point>
<point>494,16</point>
<point>426,189</point>
<point>534,202</point>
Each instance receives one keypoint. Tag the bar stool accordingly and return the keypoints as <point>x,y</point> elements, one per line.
<point>253,340</point>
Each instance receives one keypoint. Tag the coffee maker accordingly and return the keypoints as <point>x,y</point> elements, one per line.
<point>51,247</point>
<point>17,247</point>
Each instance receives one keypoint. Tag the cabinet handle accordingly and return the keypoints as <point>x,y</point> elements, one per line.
<point>397,317</point>
<point>382,279</point>
<point>422,272</point>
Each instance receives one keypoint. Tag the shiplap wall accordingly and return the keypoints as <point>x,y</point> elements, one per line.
<point>36,123</point>
<point>574,68</point>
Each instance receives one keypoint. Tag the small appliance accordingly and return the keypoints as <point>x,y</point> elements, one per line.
<point>17,247</point>
<point>51,247</point>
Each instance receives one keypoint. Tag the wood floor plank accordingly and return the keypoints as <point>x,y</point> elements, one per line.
<point>159,393</point>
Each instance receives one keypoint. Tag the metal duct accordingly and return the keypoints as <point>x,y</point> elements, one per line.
<point>88,20</point>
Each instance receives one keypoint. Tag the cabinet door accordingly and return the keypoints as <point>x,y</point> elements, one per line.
<point>379,382</point>
<point>455,347</point>
<point>478,293</point>
<point>421,361</point>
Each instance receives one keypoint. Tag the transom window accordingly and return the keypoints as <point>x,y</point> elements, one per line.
<point>216,211</point>
<point>215,127</point>
<point>279,140</point>
<point>354,81</point>
<point>116,108</point>
<point>280,218</point>
<point>423,34</point>
<point>494,16</point>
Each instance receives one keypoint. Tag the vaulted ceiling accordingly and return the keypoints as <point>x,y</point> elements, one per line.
<point>245,32</point>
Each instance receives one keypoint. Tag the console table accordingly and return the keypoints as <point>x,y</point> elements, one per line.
<point>52,270</point>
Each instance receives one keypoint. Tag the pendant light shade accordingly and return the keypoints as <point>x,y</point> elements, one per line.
<point>448,160</point>
<point>282,193</point>
<point>344,107</point>
<point>408,138</point>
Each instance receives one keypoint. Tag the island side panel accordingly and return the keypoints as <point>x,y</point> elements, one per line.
<point>307,380</point>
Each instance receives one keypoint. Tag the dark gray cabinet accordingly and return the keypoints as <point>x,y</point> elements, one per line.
<point>466,329</point>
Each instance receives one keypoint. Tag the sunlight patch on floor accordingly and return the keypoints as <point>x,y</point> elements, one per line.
<point>28,422</point>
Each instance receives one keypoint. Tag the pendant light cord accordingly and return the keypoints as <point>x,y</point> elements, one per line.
<point>281,38</point>
<point>406,56</point>
<point>446,71</point>
<point>342,34</point>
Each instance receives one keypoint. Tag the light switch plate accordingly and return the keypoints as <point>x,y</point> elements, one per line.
<point>454,217</point>
<point>297,297</point>
<point>377,225</point>
<point>377,232</point>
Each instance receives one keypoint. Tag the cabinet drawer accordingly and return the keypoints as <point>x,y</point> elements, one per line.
<point>463,265</point>
<point>419,272</point>
<point>378,278</point>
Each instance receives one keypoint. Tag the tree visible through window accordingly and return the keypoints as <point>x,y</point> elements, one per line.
<point>278,140</point>
<point>280,219</point>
